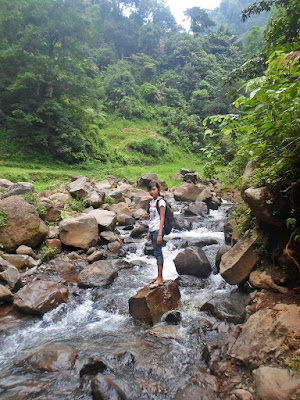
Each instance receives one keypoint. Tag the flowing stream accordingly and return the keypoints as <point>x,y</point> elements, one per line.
<point>146,364</point>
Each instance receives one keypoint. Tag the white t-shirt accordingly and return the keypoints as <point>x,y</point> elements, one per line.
<point>154,221</point>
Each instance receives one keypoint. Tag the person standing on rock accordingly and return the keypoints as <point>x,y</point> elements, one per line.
<point>155,231</point>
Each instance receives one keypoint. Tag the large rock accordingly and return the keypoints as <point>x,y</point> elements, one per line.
<point>199,208</point>
<point>103,388</point>
<point>5,184</point>
<point>81,231</point>
<point>142,200</point>
<point>192,261</point>
<point>121,209</point>
<point>263,280</point>
<point>105,219</point>
<point>276,383</point>
<point>21,260</point>
<point>10,275</point>
<point>148,305</point>
<point>19,188</point>
<point>95,198</point>
<point>39,297</point>
<point>80,188</point>
<point>58,357</point>
<point>187,192</point>
<point>145,179</point>
<point>260,200</point>
<point>239,261</point>
<point>6,295</point>
<point>231,308</point>
<point>202,386</point>
<point>264,333</point>
<point>101,273</point>
<point>23,224</point>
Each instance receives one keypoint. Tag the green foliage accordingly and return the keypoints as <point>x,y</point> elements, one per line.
<point>47,253</point>
<point>3,217</point>
<point>245,221</point>
<point>78,205</point>
<point>294,364</point>
<point>150,147</point>
<point>109,200</point>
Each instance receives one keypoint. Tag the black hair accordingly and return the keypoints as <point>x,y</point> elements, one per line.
<point>152,184</point>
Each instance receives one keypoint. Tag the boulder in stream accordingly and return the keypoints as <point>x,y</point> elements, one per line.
<point>103,388</point>
<point>58,357</point>
<point>192,261</point>
<point>99,274</point>
<point>187,192</point>
<point>39,297</point>
<point>148,305</point>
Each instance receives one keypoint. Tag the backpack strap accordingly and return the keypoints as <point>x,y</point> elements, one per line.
<point>157,205</point>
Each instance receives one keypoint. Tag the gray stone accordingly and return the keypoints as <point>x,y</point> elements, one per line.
<point>80,188</point>
<point>99,274</point>
<point>19,188</point>
<point>231,308</point>
<point>192,261</point>
<point>103,388</point>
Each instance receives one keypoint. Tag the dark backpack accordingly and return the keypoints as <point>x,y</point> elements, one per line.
<point>169,217</point>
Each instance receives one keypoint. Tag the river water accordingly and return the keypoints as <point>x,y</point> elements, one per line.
<point>144,362</point>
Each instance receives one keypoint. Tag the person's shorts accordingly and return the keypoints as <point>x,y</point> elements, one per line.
<point>157,248</point>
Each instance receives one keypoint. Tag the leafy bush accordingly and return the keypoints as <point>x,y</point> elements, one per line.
<point>78,205</point>
<point>150,147</point>
<point>47,253</point>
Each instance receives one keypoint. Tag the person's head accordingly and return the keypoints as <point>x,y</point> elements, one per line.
<point>154,189</point>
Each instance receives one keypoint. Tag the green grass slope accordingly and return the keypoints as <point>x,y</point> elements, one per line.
<point>133,148</point>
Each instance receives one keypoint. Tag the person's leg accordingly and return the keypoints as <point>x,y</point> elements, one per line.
<point>159,258</point>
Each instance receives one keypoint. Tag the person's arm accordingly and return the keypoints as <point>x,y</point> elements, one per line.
<point>162,211</point>
<point>148,235</point>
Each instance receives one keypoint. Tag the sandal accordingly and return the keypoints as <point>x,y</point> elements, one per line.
<point>155,285</point>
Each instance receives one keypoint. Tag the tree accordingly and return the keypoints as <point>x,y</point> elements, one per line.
<point>45,74</point>
<point>200,21</point>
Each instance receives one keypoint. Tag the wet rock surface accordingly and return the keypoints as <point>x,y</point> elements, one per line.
<point>230,308</point>
<point>38,297</point>
<point>148,305</point>
<point>51,359</point>
<point>192,261</point>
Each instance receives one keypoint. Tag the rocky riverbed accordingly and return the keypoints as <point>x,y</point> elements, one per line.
<point>85,325</point>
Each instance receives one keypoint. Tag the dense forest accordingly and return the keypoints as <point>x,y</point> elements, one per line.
<point>70,68</point>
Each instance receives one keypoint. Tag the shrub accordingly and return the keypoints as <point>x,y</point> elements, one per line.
<point>78,205</point>
<point>3,217</point>
<point>47,253</point>
<point>150,147</point>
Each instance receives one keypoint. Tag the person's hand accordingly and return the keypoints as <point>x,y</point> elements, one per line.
<point>159,239</point>
<point>148,236</point>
